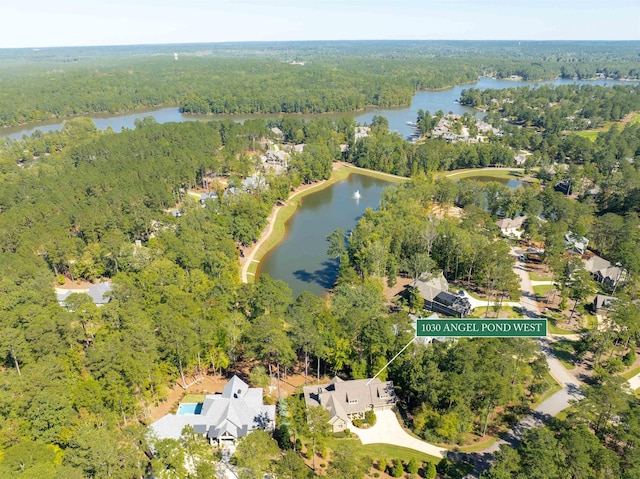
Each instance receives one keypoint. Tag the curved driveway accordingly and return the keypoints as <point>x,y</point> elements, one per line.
<point>387,430</point>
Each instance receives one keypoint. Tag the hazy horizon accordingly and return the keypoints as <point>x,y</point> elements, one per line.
<point>68,23</point>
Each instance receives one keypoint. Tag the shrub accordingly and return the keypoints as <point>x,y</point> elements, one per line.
<point>397,470</point>
<point>630,358</point>
<point>412,466</point>
<point>430,471</point>
<point>309,453</point>
<point>324,452</point>
<point>259,378</point>
<point>382,464</point>
<point>357,422</point>
<point>370,417</point>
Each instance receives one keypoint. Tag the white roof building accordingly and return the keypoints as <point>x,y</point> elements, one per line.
<point>234,413</point>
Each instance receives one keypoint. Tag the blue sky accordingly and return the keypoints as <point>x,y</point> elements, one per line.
<point>42,23</point>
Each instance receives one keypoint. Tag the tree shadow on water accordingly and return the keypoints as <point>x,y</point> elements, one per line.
<point>325,276</point>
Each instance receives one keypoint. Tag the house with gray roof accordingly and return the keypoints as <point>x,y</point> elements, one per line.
<point>604,272</point>
<point>603,302</point>
<point>100,293</point>
<point>347,400</point>
<point>437,298</point>
<point>224,417</point>
<point>511,227</point>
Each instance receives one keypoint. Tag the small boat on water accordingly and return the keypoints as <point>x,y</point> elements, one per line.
<point>356,195</point>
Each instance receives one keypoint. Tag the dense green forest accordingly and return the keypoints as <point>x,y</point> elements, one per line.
<point>554,109</point>
<point>261,78</point>
<point>78,382</point>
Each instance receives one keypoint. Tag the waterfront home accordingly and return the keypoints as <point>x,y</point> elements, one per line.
<point>224,417</point>
<point>362,132</point>
<point>348,400</point>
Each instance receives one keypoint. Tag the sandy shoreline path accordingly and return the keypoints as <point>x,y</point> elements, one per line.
<point>251,252</point>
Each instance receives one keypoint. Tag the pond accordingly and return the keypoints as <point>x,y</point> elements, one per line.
<point>301,259</point>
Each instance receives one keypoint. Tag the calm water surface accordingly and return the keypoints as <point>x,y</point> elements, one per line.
<point>301,258</point>
<point>426,100</point>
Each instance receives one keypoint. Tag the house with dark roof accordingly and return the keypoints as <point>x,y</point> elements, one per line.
<point>603,303</point>
<point>604,272</point>
<point>348,400</point>
<point>228,416</point>
<point>437,298</point>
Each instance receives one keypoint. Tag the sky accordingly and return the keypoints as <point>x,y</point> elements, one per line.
<point>46,23</point>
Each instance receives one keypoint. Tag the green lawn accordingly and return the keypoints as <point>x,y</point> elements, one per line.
<point>554,329</point>
<point>630,373</point>
<point>565,352</point>
<point>591,320</point>
<point>537,277</point>
<point>510,310</point>
<point>593,134</point>
<point>509,173</point>
<point>190,398</point>
<point>554,387</point>
<point>541,290</point>
<point>378,451</point>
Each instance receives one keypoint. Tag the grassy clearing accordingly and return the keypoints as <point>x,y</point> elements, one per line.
<point>286,212</point>
<point>554,387</point>
<point>508,173</point>
<point>565,352</point>
<point>591,321</point>
<point>511,311</point>
<point>379,451</point>
<point>541,290</point>
<point>479,446</point>
<point>554,329</point>
<point>593,133</point>
<point>190,398</point>
<point>539,277</point>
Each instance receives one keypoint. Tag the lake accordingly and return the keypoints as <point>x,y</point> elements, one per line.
<point>301,258</point>
<point>426,100</point>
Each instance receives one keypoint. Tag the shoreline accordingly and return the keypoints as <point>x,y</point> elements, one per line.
<point>277,218</point>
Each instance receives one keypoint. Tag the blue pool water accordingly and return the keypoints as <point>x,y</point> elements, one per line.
<point>190,408</point>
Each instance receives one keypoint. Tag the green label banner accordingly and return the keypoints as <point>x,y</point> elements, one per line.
<point>482,328</point>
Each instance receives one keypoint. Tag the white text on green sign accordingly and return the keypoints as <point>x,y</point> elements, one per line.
<point>482,328</point>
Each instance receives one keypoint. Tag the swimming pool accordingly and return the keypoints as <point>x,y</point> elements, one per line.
<point>190,408</point>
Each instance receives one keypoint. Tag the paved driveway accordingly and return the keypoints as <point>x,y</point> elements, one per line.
<point>388,430</point>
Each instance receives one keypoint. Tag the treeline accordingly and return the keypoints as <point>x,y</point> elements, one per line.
<point>598,439</point>
<point>389,152</point>
<point>260,78</point>
<point>554,109</point>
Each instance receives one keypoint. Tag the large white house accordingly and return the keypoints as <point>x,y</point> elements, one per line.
<point>221,417</point>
